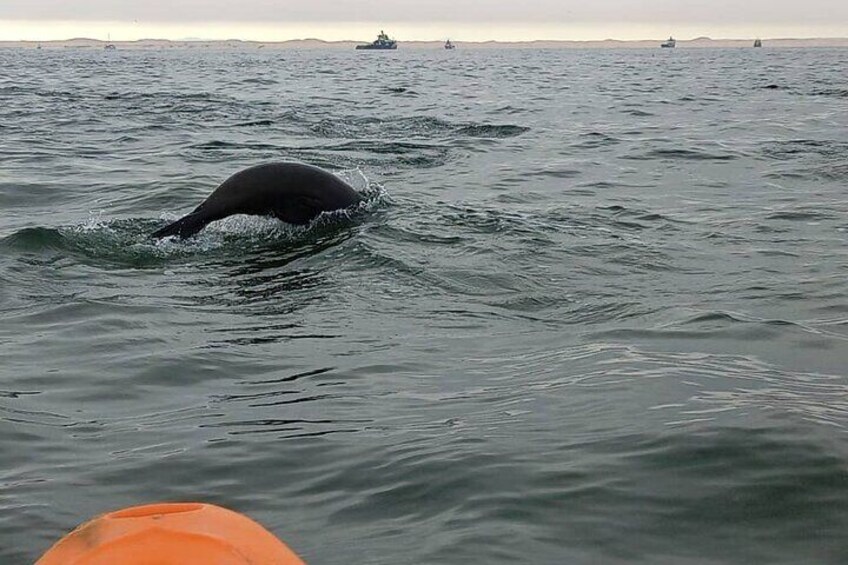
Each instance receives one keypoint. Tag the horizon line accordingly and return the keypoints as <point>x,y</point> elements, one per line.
<point>440,40</point>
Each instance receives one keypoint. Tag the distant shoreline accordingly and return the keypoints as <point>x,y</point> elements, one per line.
<point>83,43</point>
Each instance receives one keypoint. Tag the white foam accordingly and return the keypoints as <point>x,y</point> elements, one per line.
<point>95,222</point>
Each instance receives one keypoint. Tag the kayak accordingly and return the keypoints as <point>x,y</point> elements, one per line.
<point>188,533</point>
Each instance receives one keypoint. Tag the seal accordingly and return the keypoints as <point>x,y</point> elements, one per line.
<point>295,193</point>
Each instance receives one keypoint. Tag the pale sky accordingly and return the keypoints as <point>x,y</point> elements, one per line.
<point>274,20</point>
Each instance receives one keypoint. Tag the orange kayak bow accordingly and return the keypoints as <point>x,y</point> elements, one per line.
<point>170,534</point>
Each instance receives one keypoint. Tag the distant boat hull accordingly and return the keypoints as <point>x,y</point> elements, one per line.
<point>382,43</point>
<point>377,47</point>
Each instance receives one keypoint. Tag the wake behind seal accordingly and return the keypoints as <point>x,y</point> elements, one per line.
<point>295,193</point>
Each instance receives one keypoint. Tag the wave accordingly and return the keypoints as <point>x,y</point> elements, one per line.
<point>406,127</point>
<point>491,131</point>
<point>682,154</point>
<point>596,139</point>
<point>33,239</point>
<point>792,148</point>
<point>169,96</point>
<point>831,92</point>
<point>718,325</point>
<point>802,215</point>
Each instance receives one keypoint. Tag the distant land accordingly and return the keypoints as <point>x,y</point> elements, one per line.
<point>701,42</point>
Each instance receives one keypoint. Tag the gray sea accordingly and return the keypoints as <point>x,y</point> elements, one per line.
<point>594,311</point>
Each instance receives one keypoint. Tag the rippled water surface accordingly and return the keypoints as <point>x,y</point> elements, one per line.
<point>594,310</point>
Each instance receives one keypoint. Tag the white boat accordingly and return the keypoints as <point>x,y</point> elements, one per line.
<point>670,44</point>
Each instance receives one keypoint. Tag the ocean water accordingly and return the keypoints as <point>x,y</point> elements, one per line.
<point>594,311</point>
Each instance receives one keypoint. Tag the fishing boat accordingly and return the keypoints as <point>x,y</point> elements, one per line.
<point>382,42</point>
<point>670,44</point>
<point>758,43</point>
<point>449,45</point>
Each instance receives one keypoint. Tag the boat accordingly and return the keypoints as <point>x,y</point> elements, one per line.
<point>109,46</point>
<point>449,45</point>
<point>670,44</point>
<point>382,42</point>
<point>171,533</point>
<point>758,43</point>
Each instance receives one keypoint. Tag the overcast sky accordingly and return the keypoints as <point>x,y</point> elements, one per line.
<point>484,19</point>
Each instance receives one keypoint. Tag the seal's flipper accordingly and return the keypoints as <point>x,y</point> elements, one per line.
<point>185,227</point>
